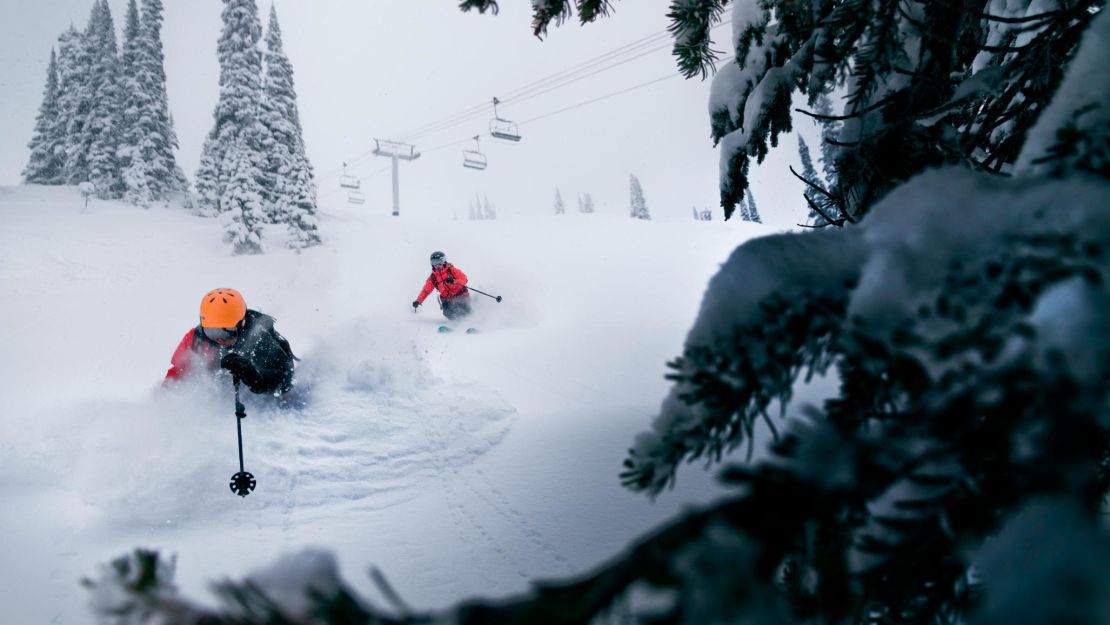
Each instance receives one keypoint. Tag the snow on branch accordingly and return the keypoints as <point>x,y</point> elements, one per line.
<point>790,303</point>
<point>1074,130</point>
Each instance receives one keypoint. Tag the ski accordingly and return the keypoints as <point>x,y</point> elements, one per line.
<point>445,329</point>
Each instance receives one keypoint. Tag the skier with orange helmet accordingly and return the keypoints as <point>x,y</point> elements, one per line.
<point>233,337</point>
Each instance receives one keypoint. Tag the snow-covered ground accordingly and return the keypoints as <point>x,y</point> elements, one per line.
<point>459,464</point>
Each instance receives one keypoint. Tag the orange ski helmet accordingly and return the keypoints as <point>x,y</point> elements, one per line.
<point>222,308</point>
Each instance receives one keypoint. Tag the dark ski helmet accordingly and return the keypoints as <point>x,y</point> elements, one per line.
<point>438,258</point>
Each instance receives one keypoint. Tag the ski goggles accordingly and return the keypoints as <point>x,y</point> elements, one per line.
<point>439,262</point>
<point>221,334</point>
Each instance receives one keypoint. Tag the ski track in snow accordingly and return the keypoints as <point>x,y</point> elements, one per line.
<point>365,440</point>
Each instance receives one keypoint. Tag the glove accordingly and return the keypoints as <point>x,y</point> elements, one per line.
<point>415,304</point>
<point>235,363</point>
<point>450,279</point>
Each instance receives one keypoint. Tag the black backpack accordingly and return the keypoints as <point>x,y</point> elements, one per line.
<point>262,357</point>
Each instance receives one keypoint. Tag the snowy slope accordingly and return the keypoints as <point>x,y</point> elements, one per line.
<point>459,464</point>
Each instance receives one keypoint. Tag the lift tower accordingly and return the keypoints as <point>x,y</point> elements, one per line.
<point>396,151</point>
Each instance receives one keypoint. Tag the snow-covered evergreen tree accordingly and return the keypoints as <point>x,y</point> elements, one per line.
<point>129,52</point>
<point>74,74</point>
<point>742,209</point>
<point>101,133</point>
<point>208,179</point>
<point>113,127</point>
<point>487,209</point>
<point>290,188</point>
<point>586,204</point>
<point>160,146</point>
<point>830,130</point>
<point>753,212</point>
<point>636,195</point>
<point>297,193</point>
<point>48,141</point>
<point>236,117</point>
<point>560,209</point>
<point>813,181</point>
<point>133,115</point>
<point>243,211</point>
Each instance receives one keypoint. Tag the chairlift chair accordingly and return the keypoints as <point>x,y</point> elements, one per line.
<point>474,159</point>
<point>356,197</point>
<point>349,182</point>
<point>503,128</point>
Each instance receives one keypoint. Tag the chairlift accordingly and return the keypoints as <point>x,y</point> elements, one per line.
<point>502,128</point>
<point>474,159</point>
<point>349,182</point>
<point>356,197</point>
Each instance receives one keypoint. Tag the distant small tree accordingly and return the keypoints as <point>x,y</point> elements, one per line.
<point>639,209</point>
<point>487,209</point>
<point>742,208</point>
<point>814,198</point>
<point>706,215</point>
<point>559,207</point>
<point>753,213</point>
<point>586,203</point>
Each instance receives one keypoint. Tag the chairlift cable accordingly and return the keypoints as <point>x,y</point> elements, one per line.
<point>575,79</point>
<point>600,98</point>
<point>561,79</point>
<point>529,94</point>
<point>662,37</point>
<point>653,43</point>
<point>473,110</point>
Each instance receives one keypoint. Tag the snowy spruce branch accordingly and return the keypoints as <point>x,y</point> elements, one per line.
<point>925,84</point>
<point>544,12</point>
<point>886,301</point>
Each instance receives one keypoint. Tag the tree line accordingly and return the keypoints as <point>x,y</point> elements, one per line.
<point>105,120</point>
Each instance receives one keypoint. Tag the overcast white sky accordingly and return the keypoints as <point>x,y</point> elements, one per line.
<point>383,68</point>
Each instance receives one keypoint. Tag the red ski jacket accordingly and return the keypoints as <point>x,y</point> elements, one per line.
<point>193,354</point>
<point>447,290</point>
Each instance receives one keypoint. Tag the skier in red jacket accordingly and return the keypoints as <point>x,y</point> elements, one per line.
<point>450,281</point>
<point>229,336</point>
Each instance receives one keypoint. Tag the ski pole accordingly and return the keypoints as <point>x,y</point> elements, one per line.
<point>242,483</point>
<point>496,297</point>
